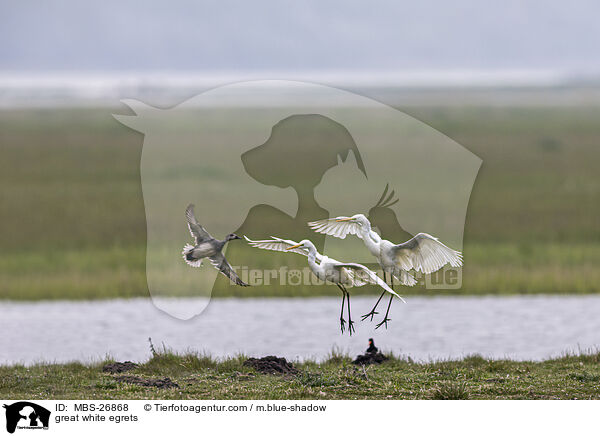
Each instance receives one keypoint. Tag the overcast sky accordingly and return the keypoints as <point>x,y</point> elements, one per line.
<point>320,35</point>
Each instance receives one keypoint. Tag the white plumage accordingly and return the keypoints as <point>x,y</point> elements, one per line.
<point>327,269</point>
<point>423,253</point>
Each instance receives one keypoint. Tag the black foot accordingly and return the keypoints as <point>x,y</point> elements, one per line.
<point>370,314</point>
<point>385,321</point>
<point>343,324</point>
<point>351,327</point>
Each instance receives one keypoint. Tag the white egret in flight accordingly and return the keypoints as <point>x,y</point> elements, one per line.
<point>423,253</point>
<point>328,269</point>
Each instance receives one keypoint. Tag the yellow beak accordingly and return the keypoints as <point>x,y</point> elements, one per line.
<point>344,219</point>
<point>294,246</point>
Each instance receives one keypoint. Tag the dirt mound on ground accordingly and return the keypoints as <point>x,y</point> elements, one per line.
<point>271,365</point>
<point>117,367</point>
<point>369,359</point>
<point>161,383</point>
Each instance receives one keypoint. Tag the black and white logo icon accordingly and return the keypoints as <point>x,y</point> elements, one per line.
<point>26,415</point>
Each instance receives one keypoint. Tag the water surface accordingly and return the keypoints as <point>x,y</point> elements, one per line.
<point>520,327</point>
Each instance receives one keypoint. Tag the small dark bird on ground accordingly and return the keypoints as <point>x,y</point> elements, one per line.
<point>371,356</point>
<point>372,348</point>
<point>207,246</point>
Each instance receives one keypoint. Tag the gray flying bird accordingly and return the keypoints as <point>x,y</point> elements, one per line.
<point>207,246</point>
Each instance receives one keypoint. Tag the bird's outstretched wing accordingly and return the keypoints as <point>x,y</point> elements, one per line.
<point>333,227</point>
<point>404,277</point>
<point>425,253</point>
<point>278,244</point>
<point>361,275</point>
<point>220,263</point>
<point>198,232</point>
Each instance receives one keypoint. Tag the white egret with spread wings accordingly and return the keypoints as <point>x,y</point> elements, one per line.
<point>422,253</point>
<point>327,269</point>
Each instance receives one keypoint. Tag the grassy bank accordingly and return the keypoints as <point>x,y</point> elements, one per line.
<point>73,218</point>
<point>200,377</point>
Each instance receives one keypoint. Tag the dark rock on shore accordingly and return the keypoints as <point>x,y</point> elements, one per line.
<point>271,365</point>
<point>118,367</point>
<point>369,359</point>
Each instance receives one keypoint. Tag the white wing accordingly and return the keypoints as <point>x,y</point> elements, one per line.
<point>278,244</point>
<point>404,277</point>
<point>332,227</point>
<point>424,253</point>
<point>361,275</point>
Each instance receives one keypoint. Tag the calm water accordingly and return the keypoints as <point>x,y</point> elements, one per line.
<point>425,328</point>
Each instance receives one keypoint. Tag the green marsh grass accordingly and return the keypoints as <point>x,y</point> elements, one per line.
<point>73,224</point>
<point>200,376</point>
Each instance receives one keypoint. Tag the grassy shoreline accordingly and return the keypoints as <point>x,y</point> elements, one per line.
<point>202,377</point>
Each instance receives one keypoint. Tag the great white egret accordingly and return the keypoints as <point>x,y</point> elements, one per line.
<point>422,253</point>
<point>207,246</point>
<point>327,269</point>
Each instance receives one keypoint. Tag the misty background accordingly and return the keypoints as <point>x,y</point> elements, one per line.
<point>287,36</point>
<point>52,51</point>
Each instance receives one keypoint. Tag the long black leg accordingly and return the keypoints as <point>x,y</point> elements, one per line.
<point>372,313</point>
<point>342,320</point>
<point>350,322</point>
<point>385,318</point>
